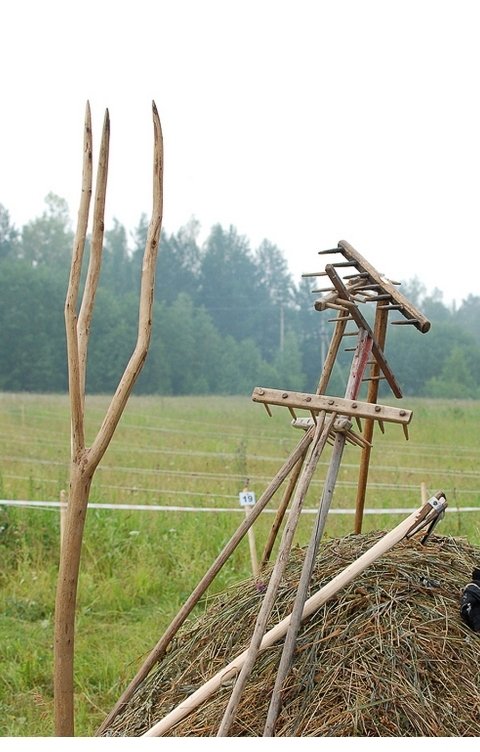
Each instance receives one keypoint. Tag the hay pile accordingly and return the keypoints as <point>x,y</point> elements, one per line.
<point>388,656</point>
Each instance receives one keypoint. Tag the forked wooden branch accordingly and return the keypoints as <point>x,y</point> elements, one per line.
<point>85,460</point>
<point>317,600</point>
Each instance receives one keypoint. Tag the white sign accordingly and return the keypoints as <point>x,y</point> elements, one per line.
<point>247,498</point>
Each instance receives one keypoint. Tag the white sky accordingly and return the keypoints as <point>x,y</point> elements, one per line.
<point>303,122</point>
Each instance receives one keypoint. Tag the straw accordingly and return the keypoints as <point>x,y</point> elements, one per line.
<point>388,656</point>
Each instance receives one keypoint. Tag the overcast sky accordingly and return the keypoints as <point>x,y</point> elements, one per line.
<point>302,122</point>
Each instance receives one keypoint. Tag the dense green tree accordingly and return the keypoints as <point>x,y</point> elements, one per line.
<point>178,261</point>
<point>433,307</point>
<point>468,316</point>
<point>414,290</point>
<point>156,375</point>
<point>136,259</point>
<point>278,291</point>
<point>177,331</point>
<point>229,288</point>
<point>32,340</point>
<point>47,240</point>
<point>456,379</point>
<point>190,345</point>
<point>312,331</point>
<point>273,273</point>
<point>252,369</point>
<point>178,264</point>
<point>233,373</point>
<point>112,340</point>
<point>116,263</point>
<point>288,364</point>
<point>417,358</point>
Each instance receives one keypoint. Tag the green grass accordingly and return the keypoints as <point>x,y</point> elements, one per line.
<point>139,567</point>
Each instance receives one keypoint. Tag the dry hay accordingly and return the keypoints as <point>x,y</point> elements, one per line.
<point>388,656</point>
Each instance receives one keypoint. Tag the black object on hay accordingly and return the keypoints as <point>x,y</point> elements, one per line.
<point>388,656</point>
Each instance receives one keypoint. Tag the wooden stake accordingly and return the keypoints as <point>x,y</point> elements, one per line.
<point>317,600</point>
<point>252,547</point>
<point>251,542</point>
<point>423,492</point>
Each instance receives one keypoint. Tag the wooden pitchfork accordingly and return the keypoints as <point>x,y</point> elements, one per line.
<point>84,459</point>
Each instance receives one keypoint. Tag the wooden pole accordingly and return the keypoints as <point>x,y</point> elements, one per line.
<point>252,545</point>
<point>250,533</point>
<point>423,492</point>
<point>281,512</point>
<point>85,460</point>
<point>380,331</point>
<point>317,600</point>
<point>332,353</point>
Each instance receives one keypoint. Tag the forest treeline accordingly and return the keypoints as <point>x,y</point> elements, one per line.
<point>226,317</point>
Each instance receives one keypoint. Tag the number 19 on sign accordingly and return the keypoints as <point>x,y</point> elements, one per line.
<point>247,501</point>
<point>247,498</point>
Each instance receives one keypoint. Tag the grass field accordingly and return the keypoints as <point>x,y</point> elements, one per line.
<point>139,567</point>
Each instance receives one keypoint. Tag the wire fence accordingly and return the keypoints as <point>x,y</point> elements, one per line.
<point>25,503</point>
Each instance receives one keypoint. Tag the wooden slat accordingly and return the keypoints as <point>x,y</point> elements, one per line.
<point>340,405</point>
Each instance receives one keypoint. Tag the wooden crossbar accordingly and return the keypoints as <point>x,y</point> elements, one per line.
<point>340,405</point>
